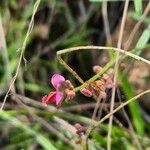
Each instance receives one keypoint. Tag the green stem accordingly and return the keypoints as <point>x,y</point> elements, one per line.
<point>105,68</point>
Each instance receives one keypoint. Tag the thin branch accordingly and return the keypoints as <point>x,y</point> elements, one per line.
<point>68,50</point>
<point>96,107</point>
<point>106,22</point>
<point>54,110</point>
<point>116,73</point>
<point>107,66</point>
<point>86,106</point>
<point>62,62</point>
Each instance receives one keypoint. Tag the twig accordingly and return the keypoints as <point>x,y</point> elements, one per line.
<point>68,50</point>
<point>54,110</point>
<point>22,51</point>
<point>116,73</point>
<point>106,22</point>
<point>82,9</point>
<point>70,69</point>
<point>101,109</point>
<point>86,106</point>
<point>107,66</point>
<point>96,107</point>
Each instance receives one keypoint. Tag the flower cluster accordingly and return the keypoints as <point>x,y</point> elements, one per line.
<point>98,87</point>
<point>65,90</point>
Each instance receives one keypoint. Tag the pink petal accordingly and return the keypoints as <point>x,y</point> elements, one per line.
<point>59,97</point>
<point>51,97</point>
<point>44,100</point>
<point>86,92</point>
<point>56,80</point>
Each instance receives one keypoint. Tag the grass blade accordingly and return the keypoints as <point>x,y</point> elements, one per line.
<point>44,142</point>
<point>143,40</point>
<point>138,6</point>
<point>133,107</point>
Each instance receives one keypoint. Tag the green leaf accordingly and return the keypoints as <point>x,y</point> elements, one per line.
<point>143,40</point>
<point>43,141</point>
<point>138,6</point>
<point>134,106</point>
<point>36,88</point>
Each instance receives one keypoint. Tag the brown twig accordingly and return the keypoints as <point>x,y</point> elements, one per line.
<point>106,22</point>
<point>116,73</point>
<point>87,106</point>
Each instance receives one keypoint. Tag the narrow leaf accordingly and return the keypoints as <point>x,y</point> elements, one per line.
<point>43,141</point>
<point>143,40</point>
<point>138,6</point>
<point>134,106</point>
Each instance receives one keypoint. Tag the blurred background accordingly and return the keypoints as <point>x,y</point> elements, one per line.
<point>59,24</point>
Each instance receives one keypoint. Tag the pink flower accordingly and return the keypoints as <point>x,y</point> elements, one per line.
<point>63,88</point>
<point>56,96</point>
<point>57,80</point>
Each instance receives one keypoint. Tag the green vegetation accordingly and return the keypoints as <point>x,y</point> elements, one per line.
<point>25,122</point>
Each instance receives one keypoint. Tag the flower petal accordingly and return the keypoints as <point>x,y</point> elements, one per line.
<point>51,97</point>
<point>56,80</point>
<point>59,97</point>
<point>44,98</point>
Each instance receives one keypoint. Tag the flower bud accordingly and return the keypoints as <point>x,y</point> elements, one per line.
<point>96,68</point>
<point>100,84</point>
<point>70,94</point>
<point>68,85</point>
<point>86,92</point>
